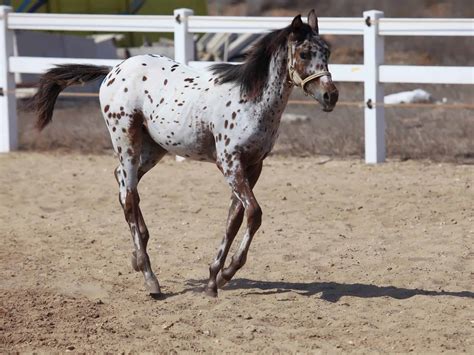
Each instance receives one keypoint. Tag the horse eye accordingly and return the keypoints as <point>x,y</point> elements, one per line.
<point>305,55</point>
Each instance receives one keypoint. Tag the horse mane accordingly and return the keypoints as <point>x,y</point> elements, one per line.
<point>252,74</point>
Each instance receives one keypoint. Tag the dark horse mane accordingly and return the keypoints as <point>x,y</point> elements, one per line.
<point>252,74</point>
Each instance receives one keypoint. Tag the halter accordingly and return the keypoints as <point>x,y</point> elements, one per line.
<point>296,78</point>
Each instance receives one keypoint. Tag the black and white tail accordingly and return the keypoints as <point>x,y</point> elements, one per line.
<point>56,80</point>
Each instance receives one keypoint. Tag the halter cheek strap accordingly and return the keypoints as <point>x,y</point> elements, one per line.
<point>296,78</point>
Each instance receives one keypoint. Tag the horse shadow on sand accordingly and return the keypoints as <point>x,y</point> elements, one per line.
<point>330,291</point>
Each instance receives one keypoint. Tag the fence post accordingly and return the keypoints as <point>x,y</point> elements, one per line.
<point>8,121</point>
<point>183,40</point>
<point>373,90</point>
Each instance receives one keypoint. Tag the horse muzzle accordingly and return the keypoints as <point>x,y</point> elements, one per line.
<point>327,97</point>
<point>329,100</point>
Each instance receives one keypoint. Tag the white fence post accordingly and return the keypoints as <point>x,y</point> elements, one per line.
<point>8,122</point>
<point>373,90</point>
<point>183,40</point>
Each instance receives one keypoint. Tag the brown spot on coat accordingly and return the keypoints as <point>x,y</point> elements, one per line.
<point>135,129</point>
<point>106,108</point>
<point>144,78</point>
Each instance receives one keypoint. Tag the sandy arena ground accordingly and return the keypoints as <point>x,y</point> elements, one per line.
<point>350,257</point>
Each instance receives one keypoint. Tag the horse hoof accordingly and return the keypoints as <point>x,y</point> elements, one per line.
<point>210,292</point>
<point>134,261</point>
<point>153,287</point>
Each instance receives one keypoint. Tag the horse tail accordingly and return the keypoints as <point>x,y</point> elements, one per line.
<point>56,80</point>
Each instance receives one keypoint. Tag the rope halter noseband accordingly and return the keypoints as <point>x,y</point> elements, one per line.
<point>296,79</point>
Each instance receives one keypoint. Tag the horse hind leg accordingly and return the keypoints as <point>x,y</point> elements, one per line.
<point>151,154</point>
<point>138,153</point>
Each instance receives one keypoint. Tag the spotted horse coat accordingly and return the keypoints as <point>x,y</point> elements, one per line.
<point>228,115</point>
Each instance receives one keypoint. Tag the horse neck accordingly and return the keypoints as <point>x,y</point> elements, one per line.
<point>277,88</point>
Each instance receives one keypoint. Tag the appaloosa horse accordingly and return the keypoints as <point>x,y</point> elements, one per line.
<point>228,115</point>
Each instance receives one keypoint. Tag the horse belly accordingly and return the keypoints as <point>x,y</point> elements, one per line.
<point>183,137</point>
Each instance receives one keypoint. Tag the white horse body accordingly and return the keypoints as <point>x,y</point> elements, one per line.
<point>188,113</point>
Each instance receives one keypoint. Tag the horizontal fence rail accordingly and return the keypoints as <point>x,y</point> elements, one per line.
<point>373,72</point>
<point>426,27</point>
<point>96,23</point>
<point>420,74</point>
<point>38,65</point>
<point>239,24</point>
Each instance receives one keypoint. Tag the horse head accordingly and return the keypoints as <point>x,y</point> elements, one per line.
<point>308,56</point>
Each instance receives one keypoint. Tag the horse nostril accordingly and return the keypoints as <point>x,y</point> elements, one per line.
<point>326,97</point>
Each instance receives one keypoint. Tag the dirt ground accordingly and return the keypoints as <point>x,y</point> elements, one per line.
<point>350,257</point>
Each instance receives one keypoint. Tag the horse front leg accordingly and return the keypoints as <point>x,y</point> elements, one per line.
<point>242,182</point>
<point>234,221</point>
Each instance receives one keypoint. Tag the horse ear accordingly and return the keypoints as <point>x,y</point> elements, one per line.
<point>313,21</point>
<point>297,24</point>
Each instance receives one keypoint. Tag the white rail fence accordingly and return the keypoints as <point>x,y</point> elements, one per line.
<point>373,73</point>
